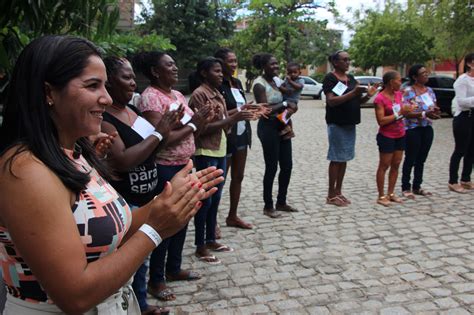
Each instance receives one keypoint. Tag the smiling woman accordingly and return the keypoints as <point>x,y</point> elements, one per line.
<point>85,244</point>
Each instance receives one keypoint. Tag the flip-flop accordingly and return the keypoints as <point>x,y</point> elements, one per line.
<point>223,249</point>
<point>422,192</point>
<point>408,194</point>
<point>153,310</point>
<point>336,201</point>
<point>163,295</point>
<point>190,276</point>
<point>211,259</point>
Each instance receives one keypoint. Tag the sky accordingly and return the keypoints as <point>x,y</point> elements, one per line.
<point>343,6</point>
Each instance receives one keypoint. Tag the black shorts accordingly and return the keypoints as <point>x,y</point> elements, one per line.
<point>390,145</point>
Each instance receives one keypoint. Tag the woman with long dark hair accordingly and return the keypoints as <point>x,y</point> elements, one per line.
<point>389,112</point>
<point>211,150</point>
<point>157,100</point>
<point>344,96</point>
<point>276,150</point>
<point>419,133</point>
<point>85,244</point>
<point>463,129</point>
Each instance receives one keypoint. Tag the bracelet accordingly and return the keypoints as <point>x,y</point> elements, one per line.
<point>423,114</point>
<point>158,135</point>
<point>151,233</point>
<point>193,126</point>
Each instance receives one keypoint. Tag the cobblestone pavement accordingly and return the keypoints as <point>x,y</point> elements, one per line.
<point>414,258</point>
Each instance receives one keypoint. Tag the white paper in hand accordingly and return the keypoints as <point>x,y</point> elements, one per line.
<point>426,98</point>
<point>339,89</point>
<point>278,81</point>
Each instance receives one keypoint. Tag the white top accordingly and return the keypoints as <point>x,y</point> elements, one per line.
<point>464,88</point>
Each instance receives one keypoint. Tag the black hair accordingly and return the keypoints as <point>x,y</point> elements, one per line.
<point>27,122</point>
<point>259,61</point>
<point>196,78</point>
<point>144,61</point>
<point>413,72</point>
<point>222,53</point>
<point>113,64</point>
<point>387,77</point>
<point>292,64</point>
<point>333,58</point>
<point>468,59</point>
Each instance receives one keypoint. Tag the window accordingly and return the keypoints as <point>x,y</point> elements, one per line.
<point>308,81</point>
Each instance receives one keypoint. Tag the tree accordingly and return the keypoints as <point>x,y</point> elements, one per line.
<point>287,29</point>
<point>195,27</point>
<point>450,23</point>
<point>387,38</point>
<point>22,20</point>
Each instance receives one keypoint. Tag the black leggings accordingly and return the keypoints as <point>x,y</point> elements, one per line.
<point>275,150</point>
<point>463,130</point>
<point>418,145</point>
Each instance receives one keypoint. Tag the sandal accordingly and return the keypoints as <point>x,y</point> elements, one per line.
<point>408,194</point>
<point>467,185</point>
<point>154,310</point>
<point>238,223</point>
<point>457,188</point>
<point>183,275</point>
<point>384,201</point>
<point>336,201</point>
<point>211,259</point>
<point>343,198</point>
<point>422,192</point>
<point>216,247</point>
<point>162,295</point>
<point>395,198</point>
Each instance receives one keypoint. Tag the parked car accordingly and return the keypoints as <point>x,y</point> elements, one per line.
<point>443,88</point>
<point>311,87</point>
<point>363,81</point>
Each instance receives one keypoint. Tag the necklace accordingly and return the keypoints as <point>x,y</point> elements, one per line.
<point>123,109</point>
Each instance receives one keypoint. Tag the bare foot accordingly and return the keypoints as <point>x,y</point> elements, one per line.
<point>238,223</point>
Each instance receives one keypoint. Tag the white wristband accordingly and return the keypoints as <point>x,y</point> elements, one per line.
<point>423,114</point>
<point>151,233</point>
<point>157,134</point>
<point>284,103</point>
<point>193,126</point>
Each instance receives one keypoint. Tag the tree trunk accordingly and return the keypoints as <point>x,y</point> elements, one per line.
<point>374,70</point>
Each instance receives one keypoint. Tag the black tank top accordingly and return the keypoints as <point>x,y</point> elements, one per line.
<point>138,185</point>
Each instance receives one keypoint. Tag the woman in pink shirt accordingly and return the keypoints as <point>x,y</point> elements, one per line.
<point>391,137</point>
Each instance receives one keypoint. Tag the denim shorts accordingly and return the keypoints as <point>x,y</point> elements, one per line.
<point>390,145</point>
<point>341,142</point>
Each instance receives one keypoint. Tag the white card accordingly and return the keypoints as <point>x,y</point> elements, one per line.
<point>239,99</point>
<point>186,118</point>
<point>143,127</point>
<point>174,106</point>
<point>426,98</point>
<point>340,88</point>
<point>396,108</point>
<point>278,81</point>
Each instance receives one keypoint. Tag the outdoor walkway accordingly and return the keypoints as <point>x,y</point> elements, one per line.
<point>415,258</point>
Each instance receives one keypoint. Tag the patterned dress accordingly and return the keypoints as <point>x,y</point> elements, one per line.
<point>103,218</point>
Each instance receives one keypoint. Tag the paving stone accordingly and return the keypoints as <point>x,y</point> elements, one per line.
<point>415,257</point>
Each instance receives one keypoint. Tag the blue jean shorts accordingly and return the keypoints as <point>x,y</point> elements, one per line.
<point>341,142</point>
